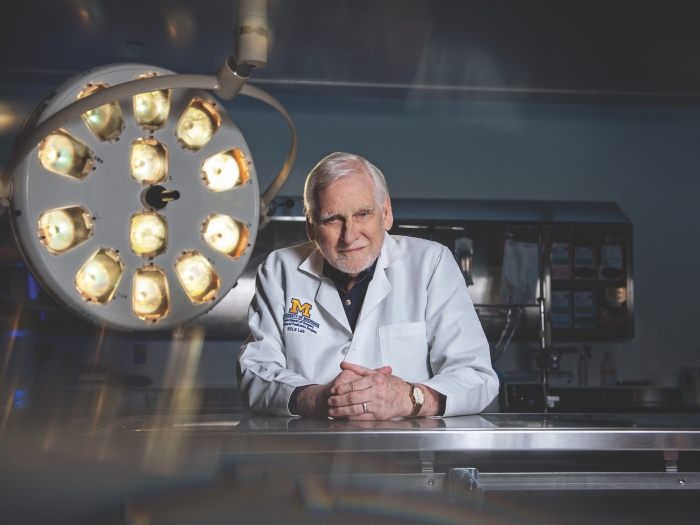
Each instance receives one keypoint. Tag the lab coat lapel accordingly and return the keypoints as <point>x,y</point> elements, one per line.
<point>379,287</point>
<point>327,294</point>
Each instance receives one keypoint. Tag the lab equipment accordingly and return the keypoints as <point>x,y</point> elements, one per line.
<point>608,370</point>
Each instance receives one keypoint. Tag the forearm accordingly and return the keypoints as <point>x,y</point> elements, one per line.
<point>434,404</point>
<point>313,401</point>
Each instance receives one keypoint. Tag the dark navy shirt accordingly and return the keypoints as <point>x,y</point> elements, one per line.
<point>352,301</point>
<point>352,304</point>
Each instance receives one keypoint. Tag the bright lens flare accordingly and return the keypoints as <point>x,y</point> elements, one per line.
<point>150,294</point>
<point>64,228</point>
<point>106,122</point>
<point>149,161</point>
<point>151,109</point>
<point>197,277</point>
<point>148,234</point>
<point>225,170</point>
<point>225,235</point>
<point>63,154</point>
<point>197,125</point>
<point>99,277</point>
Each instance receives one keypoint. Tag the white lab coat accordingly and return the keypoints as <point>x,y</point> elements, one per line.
<point>417,317</point>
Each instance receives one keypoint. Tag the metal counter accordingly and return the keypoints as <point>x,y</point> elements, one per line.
<point>468,469</point>
<point>487,432</point>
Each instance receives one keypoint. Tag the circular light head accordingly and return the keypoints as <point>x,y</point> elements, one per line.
<point>151,109</point>
<point>62,229</point>
<point>197,276</point>
<point>225,235</point>
<point>99,277</point>
<point>63,154</point>
<point>225,171</point>
<point>86,225</point>
<point>107,121</point>
<point>197,125</point>
<point>150,294</point>
<point>148,161</point>
<point>148,234</point>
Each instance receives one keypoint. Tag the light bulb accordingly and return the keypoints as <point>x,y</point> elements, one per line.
<point>197,276</point>
<point>150,294</point>
<point>106,121</point>
<point>225,235</point>
<point>64,228</point>
<point>151,109</point>
<point>148,161</point>
<point>99,277</point>
<point>225,170</point>
<point>197,125</point>
<point>63,154</point>
<point>148,234</point>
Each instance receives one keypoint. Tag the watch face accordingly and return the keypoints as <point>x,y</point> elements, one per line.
<point>418,395</point>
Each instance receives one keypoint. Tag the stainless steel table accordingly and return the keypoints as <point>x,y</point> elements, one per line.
<point>487,432</point>
<point>561,462</point>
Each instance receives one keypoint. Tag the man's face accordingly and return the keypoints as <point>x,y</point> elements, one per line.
<point>349,229</point>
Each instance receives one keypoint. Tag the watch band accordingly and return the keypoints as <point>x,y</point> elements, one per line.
<point>416,406</point>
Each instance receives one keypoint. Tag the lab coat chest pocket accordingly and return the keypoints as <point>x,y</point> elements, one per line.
<point>405,348</point>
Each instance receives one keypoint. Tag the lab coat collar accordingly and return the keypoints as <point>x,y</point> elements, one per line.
<point>380,287</point>
<point>390,253</point>
<point>327,295</point>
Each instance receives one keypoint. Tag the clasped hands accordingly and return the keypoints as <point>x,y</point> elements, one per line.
<point>385,396</point>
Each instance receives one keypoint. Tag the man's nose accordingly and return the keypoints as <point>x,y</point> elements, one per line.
<point>351,232</point>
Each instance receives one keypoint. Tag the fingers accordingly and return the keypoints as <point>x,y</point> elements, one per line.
<point>352,398</point>
<point>385,370</point>
<point>358,384</point>
<point>359,370</point>
<point>350,410</point>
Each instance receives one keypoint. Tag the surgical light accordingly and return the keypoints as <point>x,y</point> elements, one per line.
<point>151,109</point>
<point>99,277</point>
<point>225,170</point>
<point>148,161</point>
<point>61,229</point>
<point>225,235</point>
<point>150,294</point>
<point>106,121</point>
<point>197,276</point>
<point>64,154</point>
<point>197,125</point>
<point>142,187</point>
<point>148,234</point>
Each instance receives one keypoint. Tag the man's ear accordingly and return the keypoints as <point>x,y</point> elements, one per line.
<point>388,215</point>
<point>311,234</point>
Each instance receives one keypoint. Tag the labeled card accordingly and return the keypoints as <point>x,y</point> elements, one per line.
<point>562,309</point>
<point>611,263</point>
<point>584,310</point>
<point>584,263</point>
<point>562,262</point>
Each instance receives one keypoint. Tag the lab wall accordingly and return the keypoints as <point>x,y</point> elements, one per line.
<point>643,158</point>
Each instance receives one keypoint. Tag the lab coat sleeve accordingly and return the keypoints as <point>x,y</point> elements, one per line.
<point>264,381</point>
<point>459,352</point>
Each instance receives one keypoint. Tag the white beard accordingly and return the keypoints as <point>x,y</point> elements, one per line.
<point>352,265</point>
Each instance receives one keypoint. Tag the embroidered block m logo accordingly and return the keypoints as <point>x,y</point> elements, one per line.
<point>298,308</point>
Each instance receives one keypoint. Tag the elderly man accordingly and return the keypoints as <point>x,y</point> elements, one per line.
<point>359,324</point>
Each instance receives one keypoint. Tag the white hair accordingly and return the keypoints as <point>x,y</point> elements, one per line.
<point>330,169</point>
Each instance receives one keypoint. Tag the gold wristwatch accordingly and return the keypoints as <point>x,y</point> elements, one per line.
<point>417,398</point>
